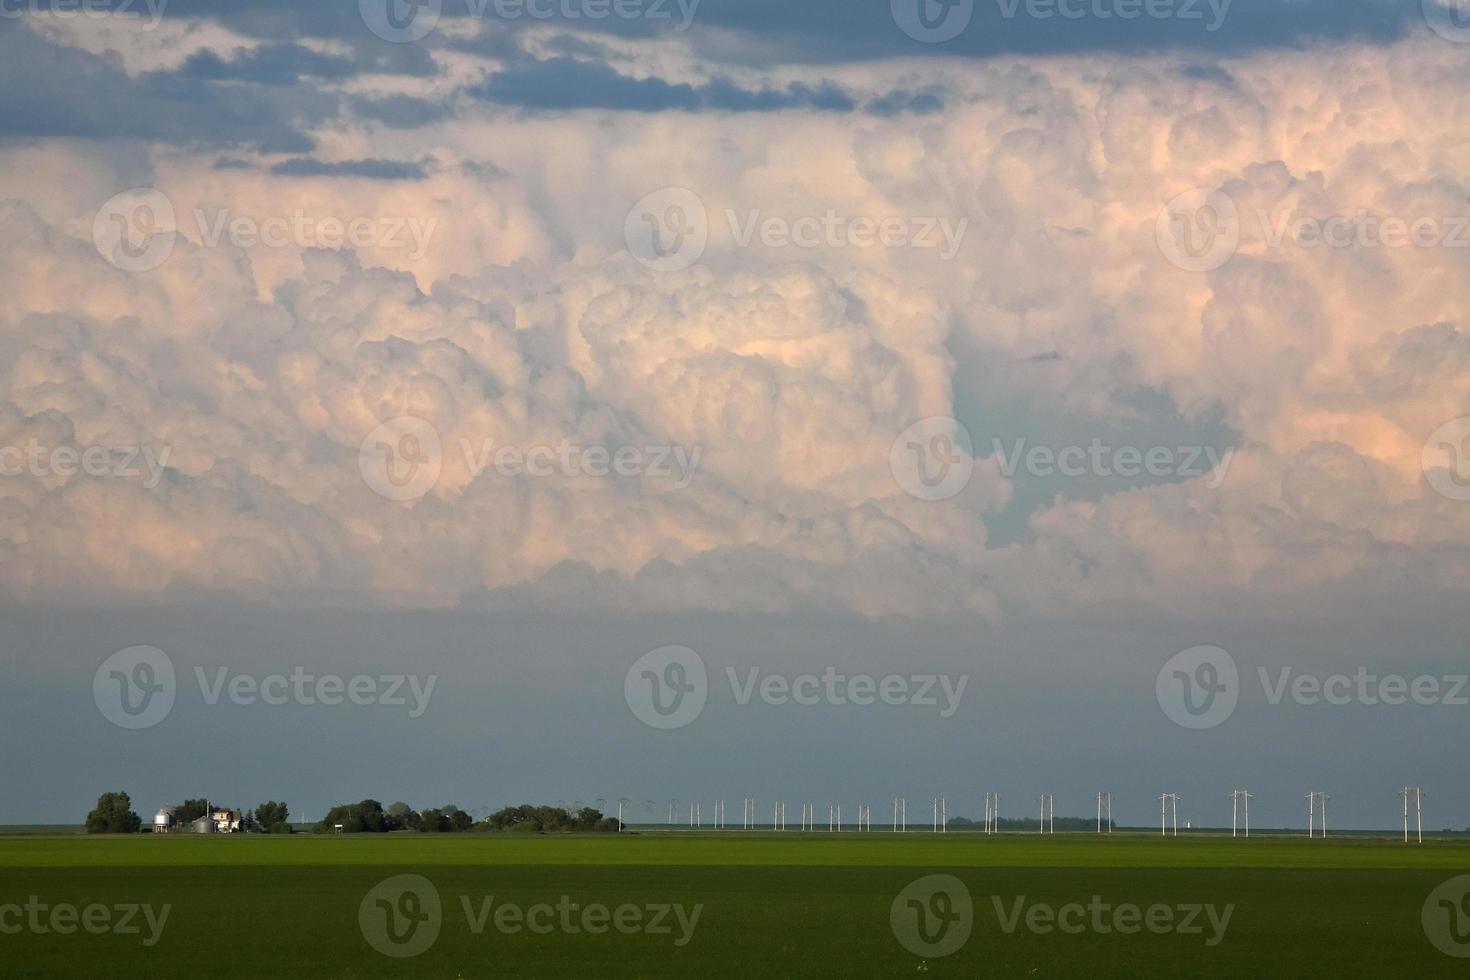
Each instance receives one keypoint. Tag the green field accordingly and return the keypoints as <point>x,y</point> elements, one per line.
<point>765,905</point>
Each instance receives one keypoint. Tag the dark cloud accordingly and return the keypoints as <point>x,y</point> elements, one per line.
<point>269,64</point>
<point>400,111</point>
<point>563,83</point>
<point>370,169</point>
<point>842,30</point>
<point>821,31</point>
<point>58,91</point>
<point>900,101</point>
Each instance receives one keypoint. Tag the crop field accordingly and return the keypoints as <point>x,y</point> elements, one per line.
<point>681,905</point>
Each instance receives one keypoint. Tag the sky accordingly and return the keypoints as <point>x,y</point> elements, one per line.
<point>584,400</point>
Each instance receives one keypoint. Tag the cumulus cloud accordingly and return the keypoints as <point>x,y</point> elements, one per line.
<point>789,369</point>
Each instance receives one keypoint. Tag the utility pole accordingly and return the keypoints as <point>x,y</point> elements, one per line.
<point>1237,797</point>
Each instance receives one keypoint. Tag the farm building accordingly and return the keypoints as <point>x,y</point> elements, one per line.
<point>225,821</point>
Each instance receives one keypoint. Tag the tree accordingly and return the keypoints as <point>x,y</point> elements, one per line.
<point>404,817</point>
<point>273,817</point>
<point>114,815</point>
<point>366,817</point>
<point>190,810</point>
<point>434,821</point>
<point>548,819</point>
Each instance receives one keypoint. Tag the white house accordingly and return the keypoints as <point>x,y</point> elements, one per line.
<point>225,821</point>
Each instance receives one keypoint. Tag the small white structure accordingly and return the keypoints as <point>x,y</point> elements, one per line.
<point>165,820</point>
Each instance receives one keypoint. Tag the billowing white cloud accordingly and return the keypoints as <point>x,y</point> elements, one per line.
<point>782,374</point>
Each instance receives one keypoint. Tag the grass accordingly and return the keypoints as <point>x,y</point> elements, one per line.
<point>788,905</point>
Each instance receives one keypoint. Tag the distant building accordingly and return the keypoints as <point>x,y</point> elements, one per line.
<point>218,820</point>
<point>225,821</point>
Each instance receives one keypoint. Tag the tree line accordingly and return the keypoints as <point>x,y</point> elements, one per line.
<point>371,817</point>
<point>114,814</point>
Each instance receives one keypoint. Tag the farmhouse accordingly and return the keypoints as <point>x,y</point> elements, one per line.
<point>225,821</point>
<point>218,820</point>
